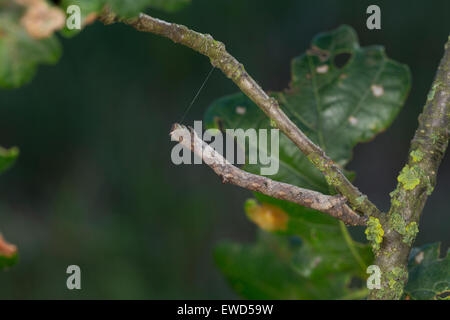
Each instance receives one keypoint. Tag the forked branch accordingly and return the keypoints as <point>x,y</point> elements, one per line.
<point>333,205</point>
<point>220,58</point>
<point>416,182</point>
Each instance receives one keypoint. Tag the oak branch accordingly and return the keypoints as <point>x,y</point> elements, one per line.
<point>221,59</point>
<point>333,205</point>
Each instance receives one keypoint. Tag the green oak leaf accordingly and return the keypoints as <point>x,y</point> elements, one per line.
<point>87,8</point>
<point>237,111</point>
<point>8,262</point>
<point>324,236</point>
<point>409,177</point>
<point>429,276</point>
<point>20,54</point>
<point>269,269</point>
<point>7,158</point>
<point>337,106</point>
<point>317,258</point>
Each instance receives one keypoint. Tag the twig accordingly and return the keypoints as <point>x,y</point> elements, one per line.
<point>220,58</point>
<point>333,205</point>
<point>415,182</point>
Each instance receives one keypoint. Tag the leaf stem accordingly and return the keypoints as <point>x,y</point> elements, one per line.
<point>351,245</point>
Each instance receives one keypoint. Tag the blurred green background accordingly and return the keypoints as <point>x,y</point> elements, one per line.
<point>94,184</point>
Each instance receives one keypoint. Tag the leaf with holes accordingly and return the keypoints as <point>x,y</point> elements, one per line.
<point>321,234</point>
<point>89,11</point>
<point>279,267</point>
<point>336,106</point>
<point>337,103</point>
<point>429,276</point>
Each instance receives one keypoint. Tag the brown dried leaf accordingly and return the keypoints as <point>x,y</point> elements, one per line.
<point>6,249</point>
<point>41,20</point>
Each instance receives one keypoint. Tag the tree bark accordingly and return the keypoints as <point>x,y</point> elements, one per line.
<point>221,59</point>
<point>415,183</point>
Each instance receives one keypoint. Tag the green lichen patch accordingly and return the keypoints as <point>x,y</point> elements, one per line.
<point>393,283</point>
<point>333,179</point>
<point>374,233</point>
<point>396,279</point>
<point>434,137</point>
<point>416,155</point>
<point>429,275</point>
<point>411,231</point>
<point>429,185</point>
<point>409,177</point>
<point>360,200</point>
<point>393,193</point>
<point>394,201</point>
<point>433,90</point>
<point>273,124</point>
<point>430,189</point>
<point>408,231</point>
<point>318,161</point>
<point>397,223</point>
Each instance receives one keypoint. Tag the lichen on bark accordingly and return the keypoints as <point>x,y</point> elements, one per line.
<point>416,182</point>
<point>391,236</point>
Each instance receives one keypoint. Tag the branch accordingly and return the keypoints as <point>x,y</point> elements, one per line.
<point>234,70</point>
<point>416,182</point>
<point>333,205</point>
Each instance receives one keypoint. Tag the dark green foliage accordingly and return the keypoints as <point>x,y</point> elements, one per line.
<point>337,104</point>
<point>429,276</point>
<point>340,95</point>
